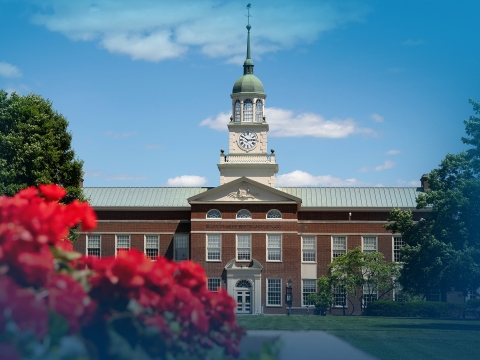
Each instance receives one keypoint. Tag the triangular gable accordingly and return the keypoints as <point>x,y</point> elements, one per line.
<point>244,190</point>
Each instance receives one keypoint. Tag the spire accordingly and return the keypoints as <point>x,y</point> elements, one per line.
<point>248,64</point>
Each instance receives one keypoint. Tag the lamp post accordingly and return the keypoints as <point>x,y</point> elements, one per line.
<point>288,296</point>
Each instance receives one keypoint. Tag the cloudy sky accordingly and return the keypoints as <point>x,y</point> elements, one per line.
<point>359,93</point>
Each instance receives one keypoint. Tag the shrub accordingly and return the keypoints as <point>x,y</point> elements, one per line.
<point>414,309</point>
<point>58,304</point>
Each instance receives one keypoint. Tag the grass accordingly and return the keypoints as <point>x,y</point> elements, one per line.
<point>386,338</point>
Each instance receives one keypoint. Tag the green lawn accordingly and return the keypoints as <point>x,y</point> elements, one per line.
<point>386,338</point>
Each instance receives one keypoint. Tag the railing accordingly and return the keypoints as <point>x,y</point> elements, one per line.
<point>247,159</point>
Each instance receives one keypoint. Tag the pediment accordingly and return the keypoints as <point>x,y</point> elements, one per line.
<point>244,190</point>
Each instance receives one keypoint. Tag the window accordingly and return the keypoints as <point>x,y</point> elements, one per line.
<point>237,111</point>
<point>339,296</point>
<point>397,245</point>
<point>214,283</point>
<point>369,244</point>
<point>244,214</point>
<point>472,294</point>
<point>339,246</point>
<point>274,247</point>
<point>258,111</point>
<point>274,214</point>
<point>214,214</point>
<point>370,294</point>
<point>93,245</point>
<point>243,247</point>
<point>274,292</point>
<point>123,243</point>
<point>397,292</point>
<point>214,246</point>
<point>248,110</point>
<point>433,294</point>
<point>308,249</point>
<point>180,247</point>
<point>151,246</point>
<point>309,287</point>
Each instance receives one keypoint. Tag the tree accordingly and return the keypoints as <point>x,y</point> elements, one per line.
<point>363,276</point>
<point>443,250</point>
<point>35,146</point>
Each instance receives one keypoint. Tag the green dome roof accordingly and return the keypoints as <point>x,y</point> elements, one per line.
<point>248,83</point>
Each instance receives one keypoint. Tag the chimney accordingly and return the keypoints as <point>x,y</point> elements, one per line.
<point>80,185</point>
<point>424,182</point>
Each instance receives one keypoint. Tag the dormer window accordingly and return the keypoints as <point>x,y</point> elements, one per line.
<point>258,111</point>
<point>244,214</point>
<point>214,214</point>
<point>237,111</point>
<point>274,214</point>
<point>248,110</point>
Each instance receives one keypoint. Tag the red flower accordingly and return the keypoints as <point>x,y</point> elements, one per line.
<point>28,312</point>
<point>52,192</point>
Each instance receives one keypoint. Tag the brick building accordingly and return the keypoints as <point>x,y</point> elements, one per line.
<point>250,236</point>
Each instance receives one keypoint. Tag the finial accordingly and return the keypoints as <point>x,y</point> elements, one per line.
<point>248,64</point>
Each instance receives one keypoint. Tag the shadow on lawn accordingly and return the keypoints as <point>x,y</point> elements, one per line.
<point>433,326</point>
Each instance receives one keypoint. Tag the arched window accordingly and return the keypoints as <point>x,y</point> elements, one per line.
<point>248,110</point>
<point>214,214</point>
<point>244,214</point>
<point>258,111</point>
<point>243,284</point>
<point>274,214</point>
<point>237,111</point>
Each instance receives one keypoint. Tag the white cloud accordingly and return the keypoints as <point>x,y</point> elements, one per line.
<point>154,30</point>
<point>187,180</point>
<point>386,165</point>
<point>124,177</point>
<point>117,135</point>
<point>285,123</point>
<point>411,42</point>
<point>19,89</point>
<point>9,71</point>
<point>377,118</point>
<point>393,152</point>
<point>401,182</point>
<point>302,178</point>
<point>88,173</point>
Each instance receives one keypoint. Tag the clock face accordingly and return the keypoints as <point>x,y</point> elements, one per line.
<point>247,140</point>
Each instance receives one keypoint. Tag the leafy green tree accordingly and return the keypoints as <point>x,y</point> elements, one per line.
<point>35,146</point>
<point>443,250</point>
<point>360,274</point>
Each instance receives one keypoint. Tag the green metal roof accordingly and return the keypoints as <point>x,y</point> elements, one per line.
<point>355,197</point>
<point>248,83</point>
<point>141,196</point>
<point>312,197</point>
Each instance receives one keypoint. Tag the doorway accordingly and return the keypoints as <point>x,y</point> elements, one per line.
<point>243,296</point>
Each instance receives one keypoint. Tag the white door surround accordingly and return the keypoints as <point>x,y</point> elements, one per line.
<point>238,278</point>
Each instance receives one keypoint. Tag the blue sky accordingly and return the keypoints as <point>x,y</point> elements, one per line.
<point>359,93</point>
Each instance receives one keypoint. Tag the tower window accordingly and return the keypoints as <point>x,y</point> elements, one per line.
<point>248,110</point>
<point>258,111</point>
<point>237,111</point>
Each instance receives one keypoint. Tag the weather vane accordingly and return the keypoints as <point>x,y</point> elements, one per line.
<point>248,13</point>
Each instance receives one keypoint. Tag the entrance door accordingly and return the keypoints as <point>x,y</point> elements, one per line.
<point>243,295</point>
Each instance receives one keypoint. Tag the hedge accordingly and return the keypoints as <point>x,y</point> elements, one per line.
<point>415,309</point>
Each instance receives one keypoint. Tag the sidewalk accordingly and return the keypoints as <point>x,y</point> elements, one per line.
<point>299,345</point>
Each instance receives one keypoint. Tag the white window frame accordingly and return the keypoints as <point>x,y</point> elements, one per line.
<point>213,211</point>
<point>250,248</point>
<point>303,290</point>
<point>337,293</point>
<point>211,279</point>
<point>274,211</point>
<point>274,292</point>
<point>314,249</point>
<point>273,248</point>
<point>368,251</point>
<point>116,243</point>
<point>366,295</point>
<point>394,250</point>
<point>176,238</point>
<point>145,245</point>
<point>333,246</point>
<point>207,247</point>
<point>89,247</point>
<point>243,211</point>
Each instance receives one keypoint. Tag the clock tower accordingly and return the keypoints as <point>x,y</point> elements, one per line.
<point>247,153</point>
